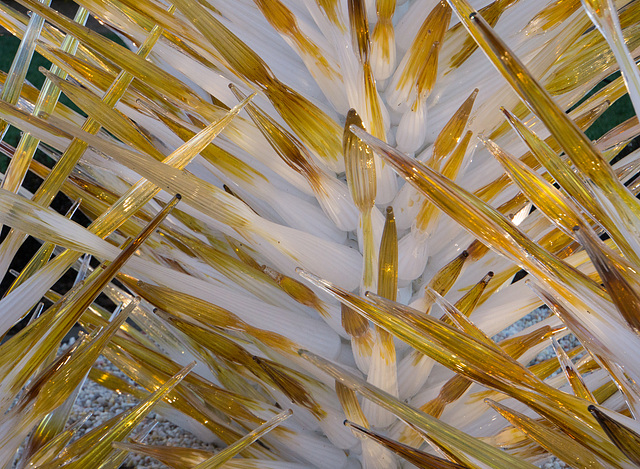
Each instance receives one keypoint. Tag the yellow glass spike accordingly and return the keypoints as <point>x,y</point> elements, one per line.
<point>557,443</point>
<point>115,459</point>
<point>359,29</point>
<point>312,125</point>
<point>143,191</point>
<point>297,290</point>
<point>134,64</point>
<point>230,378</point>
<point>414,456</point>
<point>172,456</point>
<point>388,260</point>
<point>222,347</point>
<point>361,179</point>
<point>240,58</point>
<point>608,94</point>
<point>104,114</point>
<point>516,346</point>
<point>290,383</point>
<point>229,353</point>
<point>220,158</point>
<point>259,368</point>
<point>500,279</point>
<point>80,445</point>
<point>92,75</point>
<point>453,165</point>
<point>428,214</point>
<point>549,366</point>
<point>146,15</point>
<point>571,372</point>
<point>157,366</point>
<point>584,121</point>
<point>587,364</point>
<point>408,324</point>
<point>595,346</point>
<point>223,456</point>
<point>163,175</point>
<point>47,191</point>
<point>560,210</point>
<point>150,369</point>
<point>444,279</point>
<point>448,452</point>
<point>567,316</point>
<point>559,243</point>
<point>51,387</point>
<point>93,204</point>
<point>589,52</point>
<point>450,134</point>
<point>54,422</point>
<point>625,438</point>
<point>489,191</point>
<point>262,281</point>
<point>476,250</point>
<point>604,15</point>
<point>113,268</point>
<point>95,201</point>
<point>605,391</point>
<point>623,294</point>
<point>97,76</point>
<point>427,78</point>
<point>470,300</point>
<point>242,251</point>
<point>49,451</point>
<point>463,323</point>
<point>359,165</point>
<point>383,367</point>
<point>492,13</point>
<point>115,383</point>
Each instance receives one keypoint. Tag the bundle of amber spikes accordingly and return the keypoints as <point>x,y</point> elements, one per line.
<point>313,217</point>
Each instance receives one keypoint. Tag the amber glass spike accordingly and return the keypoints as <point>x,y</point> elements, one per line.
<point>625,438</point>
<point>414,456</point>
<point>557,443</point>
